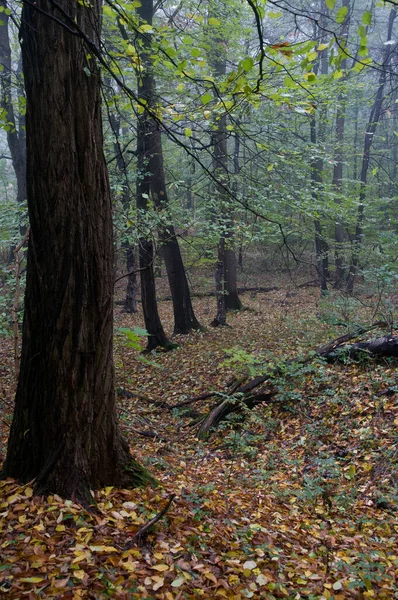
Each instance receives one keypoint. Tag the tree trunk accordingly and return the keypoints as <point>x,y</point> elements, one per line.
<point>64,432</point>
<point>151,175</point>
<point>373,123</point>
<point>16,132</point>
<point>316,164</point>
<point>337,183</point>
<point>130,301</point>
<point>226,275</point>
<point>232,300</point>
<point>221,315</point>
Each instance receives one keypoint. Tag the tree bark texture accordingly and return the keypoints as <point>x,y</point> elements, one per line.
<point>64,432</point>
<point>151,177</point>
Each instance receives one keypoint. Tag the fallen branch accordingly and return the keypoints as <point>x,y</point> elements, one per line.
<point>141,533</point>
<point>122,392</point>
<point>260,388</point>
<point>204,396</point>
<point>241,290</point>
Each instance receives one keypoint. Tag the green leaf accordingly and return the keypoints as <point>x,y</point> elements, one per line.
<point>206,98</point>
<point>195,52</point>
<point>330,4</point>
<point>312,56</point>
<point>274,15</point>
<point>247,64</point>
<point>188,132</point>
<point>367,17</point>
<point>187,40</point>
<point>107,10</point>
<point>341,14</point>
<point>213,21</point>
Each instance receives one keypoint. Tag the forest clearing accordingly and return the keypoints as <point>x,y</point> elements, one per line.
<point>296,501</point>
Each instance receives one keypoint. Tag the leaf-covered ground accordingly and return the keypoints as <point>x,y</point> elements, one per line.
<point>298,501</point>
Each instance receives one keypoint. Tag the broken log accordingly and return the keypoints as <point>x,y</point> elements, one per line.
<point>386,346</point>
<point>260,389</point>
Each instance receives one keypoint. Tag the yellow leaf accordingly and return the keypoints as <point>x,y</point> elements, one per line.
<point>103,549</point>
<point>158,583</point>
<point>161,567</point>
<point>28,492</point>
<point>211,576</point>
<point>79,574</point>
<point>31,579</point>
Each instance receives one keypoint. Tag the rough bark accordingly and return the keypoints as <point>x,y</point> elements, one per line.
<point>151,174</point>
<point>64,432</point>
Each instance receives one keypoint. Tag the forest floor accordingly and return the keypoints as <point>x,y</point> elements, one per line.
<point>298,501</point>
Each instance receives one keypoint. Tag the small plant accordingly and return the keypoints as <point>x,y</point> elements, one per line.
<point>131,338</point>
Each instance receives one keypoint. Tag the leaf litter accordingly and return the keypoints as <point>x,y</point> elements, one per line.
<point>299,500</point>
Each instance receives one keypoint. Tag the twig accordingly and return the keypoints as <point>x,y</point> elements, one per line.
<point>204,396</point>
<point>137,539</point>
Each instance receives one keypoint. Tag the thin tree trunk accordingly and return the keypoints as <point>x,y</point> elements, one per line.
<point>316,165</point>
<point>130,301</point>
<point>152,175</point>
<point>337,182</point>
<point>221,315</point>
<point>16,132</point>
<point>232,300</point>
<point>64,432</point>
<point>373,123</point>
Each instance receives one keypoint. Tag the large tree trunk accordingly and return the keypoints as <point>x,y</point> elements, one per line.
<point>64,432</point>
<point>151,175</point>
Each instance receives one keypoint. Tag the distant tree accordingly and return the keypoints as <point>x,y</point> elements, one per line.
<point>64,432</point>
<point>151,187</point>
<point>13,121</point>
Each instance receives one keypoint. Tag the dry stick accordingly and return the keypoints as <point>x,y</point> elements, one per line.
<point>204,396</point>
<point>141,532</point>
<point>14,309</point>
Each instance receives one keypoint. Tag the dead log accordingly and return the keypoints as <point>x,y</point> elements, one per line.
<point>386,346</point>
<point>260,389</point>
